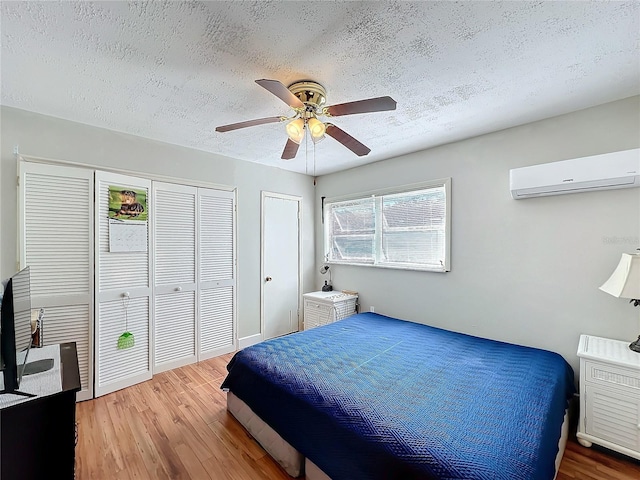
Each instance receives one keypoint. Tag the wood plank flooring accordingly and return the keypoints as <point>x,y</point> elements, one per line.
<point>176,426</point>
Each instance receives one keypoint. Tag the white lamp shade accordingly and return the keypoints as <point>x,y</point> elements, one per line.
<point>317,129</point>
<point>295,130</point>
<point>625,280</point>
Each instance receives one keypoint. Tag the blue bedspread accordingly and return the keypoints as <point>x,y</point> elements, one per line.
<point>371,397</point>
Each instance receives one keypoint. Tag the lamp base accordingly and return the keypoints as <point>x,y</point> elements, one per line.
<point>635,346</point>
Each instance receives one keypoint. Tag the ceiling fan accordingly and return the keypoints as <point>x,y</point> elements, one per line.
<point>307,99</point>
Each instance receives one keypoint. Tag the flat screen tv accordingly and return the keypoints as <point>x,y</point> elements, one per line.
<point>15,330</point>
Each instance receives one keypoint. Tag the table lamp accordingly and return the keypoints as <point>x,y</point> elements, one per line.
<point>625,283</point>
<point>327,287</point>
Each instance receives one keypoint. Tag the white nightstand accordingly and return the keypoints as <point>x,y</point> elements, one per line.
<point>321,308</point>
<point>609,395</point>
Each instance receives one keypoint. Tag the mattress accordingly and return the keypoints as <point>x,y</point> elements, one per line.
<point>375,397</point>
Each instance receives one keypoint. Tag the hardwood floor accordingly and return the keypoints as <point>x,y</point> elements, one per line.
<point>176,426</point>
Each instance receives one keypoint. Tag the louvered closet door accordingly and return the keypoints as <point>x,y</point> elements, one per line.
<point>121,274</point>
<point>217,266</point>
<point>175,275</point>
<point>56,241</point>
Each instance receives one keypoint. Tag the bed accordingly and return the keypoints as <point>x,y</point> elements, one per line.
<point>373,397</point>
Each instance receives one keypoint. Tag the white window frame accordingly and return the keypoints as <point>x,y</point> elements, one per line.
<point>378,195</point>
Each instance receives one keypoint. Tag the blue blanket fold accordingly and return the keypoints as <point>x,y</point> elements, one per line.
<point>371,397</point>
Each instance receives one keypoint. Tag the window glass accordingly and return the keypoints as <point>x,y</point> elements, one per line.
<point>405,229</point>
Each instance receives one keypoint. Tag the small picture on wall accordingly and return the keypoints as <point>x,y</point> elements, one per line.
<point>127,203</point>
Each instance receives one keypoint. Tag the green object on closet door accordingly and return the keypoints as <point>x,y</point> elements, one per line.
<point>126,340</point>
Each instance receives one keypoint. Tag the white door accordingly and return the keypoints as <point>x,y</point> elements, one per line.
<point>280,264</point>
<point>56,241</point>
<point>216,328</point>
<point>174,325</point>
<point>123,282</point>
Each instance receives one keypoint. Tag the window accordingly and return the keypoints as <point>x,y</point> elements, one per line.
<point>407,228</point>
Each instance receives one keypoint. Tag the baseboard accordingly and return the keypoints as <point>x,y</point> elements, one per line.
<point>248,341</point>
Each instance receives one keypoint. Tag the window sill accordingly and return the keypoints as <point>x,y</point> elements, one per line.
<point>393,266</point>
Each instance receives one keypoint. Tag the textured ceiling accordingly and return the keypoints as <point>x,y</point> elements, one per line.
<point>174,71</point>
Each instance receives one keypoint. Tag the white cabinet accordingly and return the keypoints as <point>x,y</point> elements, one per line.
<point>609,395</point>
<point>174,326</point>
<point>56,240</point>
<point>216,273</point>
<point>194,265</point>
<point>123,288</point>
<point>169,280</point>
<point>321,308</point>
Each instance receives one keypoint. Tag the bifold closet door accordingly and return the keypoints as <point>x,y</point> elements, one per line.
<point>123,280</point>
<point>217,277</point>
<point>55,210</point>
<point>175,293</point>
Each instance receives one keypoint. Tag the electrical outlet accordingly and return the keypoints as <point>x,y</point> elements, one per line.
<point>372,309</point>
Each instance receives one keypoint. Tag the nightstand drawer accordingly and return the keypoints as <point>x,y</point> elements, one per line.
<point>320,308</point>
<point>316,314</point>
<point>613,417</point>
<point>610,375</point>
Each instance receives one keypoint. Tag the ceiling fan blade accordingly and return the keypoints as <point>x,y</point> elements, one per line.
<point>379,104</point>
<point>347,140</point>
<point>290,150</point>
<point>249,123</point>
<point>280,91</point>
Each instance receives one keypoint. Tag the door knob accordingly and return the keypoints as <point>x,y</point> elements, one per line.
<point>268,279</point>
<point>178,289</point>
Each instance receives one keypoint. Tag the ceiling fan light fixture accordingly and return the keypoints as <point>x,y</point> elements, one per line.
<point>317,129</point>
<point>295,130</point>
<point>307,98</point>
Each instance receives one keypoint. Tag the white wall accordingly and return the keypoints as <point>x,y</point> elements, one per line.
<point>524,271</point>
<point>42,136</point>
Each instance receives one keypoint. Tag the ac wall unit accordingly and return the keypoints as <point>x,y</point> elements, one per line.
<point>597,172</point>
